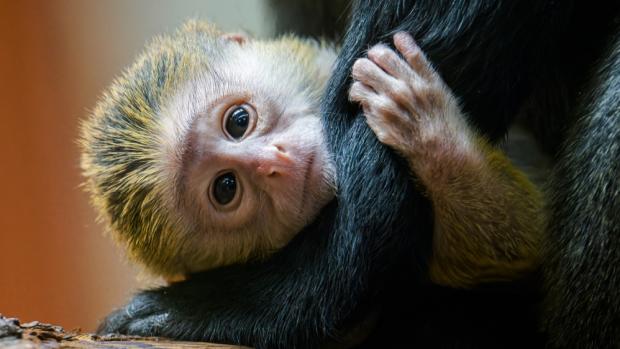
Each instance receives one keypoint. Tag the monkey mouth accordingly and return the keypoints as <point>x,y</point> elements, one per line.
<point>306,179</point>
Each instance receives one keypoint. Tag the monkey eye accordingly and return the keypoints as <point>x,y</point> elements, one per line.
<point>225,188</point>
<point>237,122</point>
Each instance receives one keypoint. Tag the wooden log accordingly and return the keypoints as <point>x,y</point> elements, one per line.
<point>35,335</point>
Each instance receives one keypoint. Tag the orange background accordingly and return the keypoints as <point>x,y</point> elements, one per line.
<point>55,59</point>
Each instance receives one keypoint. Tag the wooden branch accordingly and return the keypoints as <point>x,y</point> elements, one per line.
<point>39,335</point>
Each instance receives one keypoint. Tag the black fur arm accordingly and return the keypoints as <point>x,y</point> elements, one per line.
<point>303,294</point>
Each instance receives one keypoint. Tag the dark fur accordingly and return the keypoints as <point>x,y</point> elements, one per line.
<point>366,255</point>
<point>310,18</point>
<point>583,247</point>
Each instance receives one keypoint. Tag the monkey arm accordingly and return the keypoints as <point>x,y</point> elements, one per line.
<point>488,218</point>
<point>582,246</point>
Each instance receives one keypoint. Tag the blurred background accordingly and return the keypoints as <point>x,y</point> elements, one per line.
<point>55,59</point>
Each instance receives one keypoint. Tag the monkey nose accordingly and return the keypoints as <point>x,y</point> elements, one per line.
<point>275,161</point>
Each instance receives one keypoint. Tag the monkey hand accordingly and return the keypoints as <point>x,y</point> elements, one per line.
<point>176,311</point>
<point>406,103</point>
<point>143,316</point>
<point>488,218</point>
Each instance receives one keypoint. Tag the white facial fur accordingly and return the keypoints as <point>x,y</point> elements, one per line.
<point>283,170</point>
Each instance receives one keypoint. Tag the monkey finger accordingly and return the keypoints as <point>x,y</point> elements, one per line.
<point>388,127</point>
<point>366,71</point>
<point>380,132</point>
<point>413,54</point>
<point>361,93</point>
<point>387,111</point>
<point>388,60</point>
<point>386,85</point>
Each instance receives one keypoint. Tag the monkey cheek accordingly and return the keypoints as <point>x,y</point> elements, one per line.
<point>321,189</point>
<point>294,203</point>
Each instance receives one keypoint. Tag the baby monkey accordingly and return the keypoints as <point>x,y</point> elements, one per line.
<point>209,151</point>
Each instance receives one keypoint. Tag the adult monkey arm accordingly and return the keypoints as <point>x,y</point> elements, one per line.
<point>582,274</point>
<point>283,302</point>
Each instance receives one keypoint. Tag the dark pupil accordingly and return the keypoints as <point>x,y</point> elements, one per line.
<point>225,188</point>
<point>237,122</point>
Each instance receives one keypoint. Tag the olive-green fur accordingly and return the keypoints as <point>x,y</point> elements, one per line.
<point>494,227</point>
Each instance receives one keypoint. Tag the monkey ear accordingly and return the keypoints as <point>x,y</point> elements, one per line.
<point>239,38</point>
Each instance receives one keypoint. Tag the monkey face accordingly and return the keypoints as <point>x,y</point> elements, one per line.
<point>254,167</point>
<point>272,169</point>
